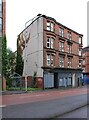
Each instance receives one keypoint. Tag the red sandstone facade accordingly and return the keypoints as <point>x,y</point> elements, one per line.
<point>73,43</point>
<point>85,53</point>
<point>62,57</point>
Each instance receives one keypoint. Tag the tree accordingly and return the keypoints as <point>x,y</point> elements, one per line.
<point>10,66</point>
<point>10,61</point>
<point>19,61</point>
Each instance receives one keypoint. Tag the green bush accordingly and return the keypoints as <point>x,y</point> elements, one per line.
<point>23,89</point>
<point>31,89</point>
<point>13,88</point>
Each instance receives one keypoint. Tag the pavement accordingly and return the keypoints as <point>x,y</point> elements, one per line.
<point>13,92</point>
<point>43,90</point>
<point>46,104</point>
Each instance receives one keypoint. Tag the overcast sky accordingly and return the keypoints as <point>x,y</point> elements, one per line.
<point>71,13</point>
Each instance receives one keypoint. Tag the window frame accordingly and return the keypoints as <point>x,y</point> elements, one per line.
<point>80,52</point>
<point>52,60</point>
<point>61,61</point>
<point>61,32</point>
<point>69,35</point>
<point>50,26</point>
<point>69,62</point>
<point>50,42</point>
<point>80,63</point>
<point>61,46</point>
<point>80,40</point>
<point>48,60</point>
<point>69,48</point>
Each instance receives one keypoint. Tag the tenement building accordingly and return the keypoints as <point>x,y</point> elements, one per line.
<point>53,51</point>
<point>85,54</point>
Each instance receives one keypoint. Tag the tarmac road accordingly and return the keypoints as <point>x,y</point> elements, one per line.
<point>82,112</point>
<point>44,109</point>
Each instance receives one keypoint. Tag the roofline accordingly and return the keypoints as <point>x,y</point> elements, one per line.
<point>30,24</point>
<point>61,24</point>
<point>85,49</point>
<point>47,17</point>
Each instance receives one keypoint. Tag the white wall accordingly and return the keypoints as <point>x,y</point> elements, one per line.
<point>34,50</point>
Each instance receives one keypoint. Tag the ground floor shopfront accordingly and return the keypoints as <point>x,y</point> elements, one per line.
<point>62,78</point>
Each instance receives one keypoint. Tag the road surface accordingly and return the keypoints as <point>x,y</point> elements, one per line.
<point>78,113</point>
<point>43,104</point>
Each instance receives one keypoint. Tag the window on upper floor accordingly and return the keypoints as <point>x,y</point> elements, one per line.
<point>61,61</point>
<point>69,48</point>
<point>61,32</point>
<point>80,63</point>
<point>50,60</point>
<point>69,36</point>
<point>80,51</point>
<point>61,46</point>
<point>69,62</point>
<point>80,40</point>
<point>50,26</point>
<point>50,42</point>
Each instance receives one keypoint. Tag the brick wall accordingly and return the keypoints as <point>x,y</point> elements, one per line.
<point>55,34</point>
<point>39,82</point>
<point>86,59</point>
